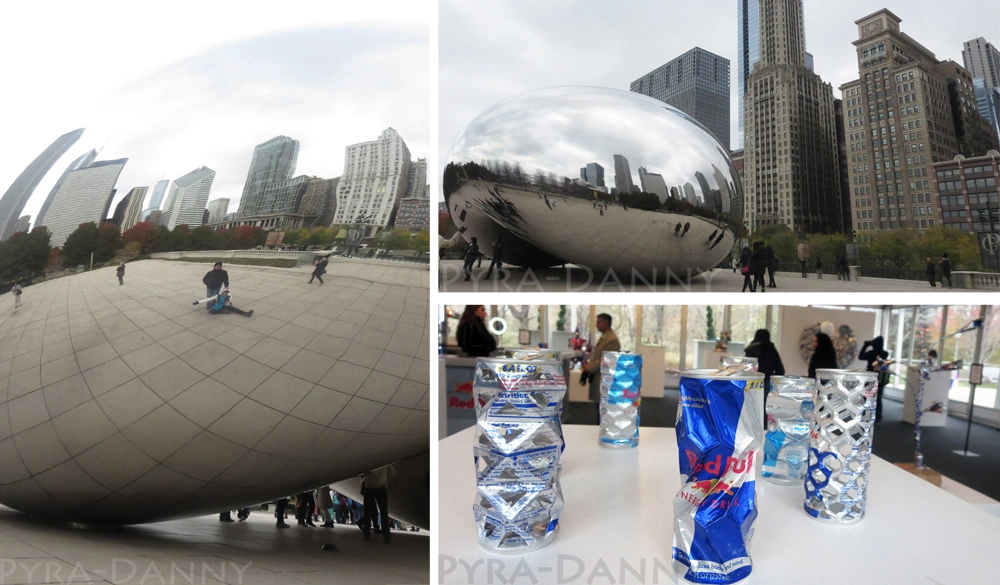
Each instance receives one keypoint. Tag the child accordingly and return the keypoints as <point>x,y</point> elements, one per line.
<point>16,291</point>
<point>223,303</point>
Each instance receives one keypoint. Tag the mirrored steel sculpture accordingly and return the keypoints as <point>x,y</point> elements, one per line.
<point>595,177</point>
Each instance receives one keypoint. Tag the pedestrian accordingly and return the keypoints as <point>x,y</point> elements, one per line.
<point>471,253</point>
<point>342,509</point>
<point>687,226</point>
<point>931,274</point>
<point>847,269</point>
<point>16,291</point>
<point>121,274</point>
<point>772,267</point>
<point>745,269</point>
<point>768,359</point>
<point>497,257</point>
<point>677,230</point>
<point>243,514</point>
<point>736,264</point>
<point>304,509</point>
<point>375,488</point>
<point>591,373</point>
<point>279,511</point>
<point>324,501</point>
<point>824,355</point>
<point>215,279</point>
<point>226,516</point>
<point>758,266</point>
<point>876,357</point>
<point>320,269</point>
<point>946,270</point>
<point>803,261</point>
<point>837,268</point>
<point>819,268</point>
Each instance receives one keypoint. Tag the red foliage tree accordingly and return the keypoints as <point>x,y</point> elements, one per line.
<point>143,233</point>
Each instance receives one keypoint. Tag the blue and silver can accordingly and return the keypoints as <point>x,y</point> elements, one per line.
<point>621,384</point>
<point>786,440</point>
<point>719,434</point>
<point>518,450</point>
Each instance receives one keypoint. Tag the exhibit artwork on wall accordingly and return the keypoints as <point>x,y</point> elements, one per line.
<point>844,342</point>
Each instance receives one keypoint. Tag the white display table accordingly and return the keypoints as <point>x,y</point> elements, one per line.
<point>707,357</point>
<point>935,390</point>
<point>619,517</point>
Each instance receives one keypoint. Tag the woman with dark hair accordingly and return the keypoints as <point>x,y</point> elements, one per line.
<point>745,269</point>
<point>472,335</point>
<point>758,266</point>
<point>824,355</point>
<point>875,357</point>
<point>768,360</point>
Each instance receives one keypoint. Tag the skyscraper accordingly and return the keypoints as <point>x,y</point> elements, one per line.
<point>593,173</point>
<point>696,83</point>
<point>982,59</point>
<point>906,111</point>
<point>81,162</point>
<point>187,198</point>
<point>133,212</point>
<point>373,182</point>
<point>273,163</point>
<point>320,201</point>
<point>84,196</point>
<point>159,192</point>
<point>790,160</point>
<point>17,195</point>
<point>416,181</point>
<point>217,209</point>
<point>652,183</point>
<point>623,175</point>
<point>119,215</point>
<point>22,225</point>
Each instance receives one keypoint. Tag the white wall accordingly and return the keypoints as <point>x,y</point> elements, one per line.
<point>793,320</point>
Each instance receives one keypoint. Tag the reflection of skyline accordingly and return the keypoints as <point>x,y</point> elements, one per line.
<point>593,174</point>
<point>623,175</point>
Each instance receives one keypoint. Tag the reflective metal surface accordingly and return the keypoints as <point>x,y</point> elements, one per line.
<point>786,440</point>
<point>621,384</point>
<point>597,177</point>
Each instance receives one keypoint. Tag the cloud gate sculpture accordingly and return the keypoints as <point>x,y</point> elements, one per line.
<point>126,404</point>
<point>596,177</point>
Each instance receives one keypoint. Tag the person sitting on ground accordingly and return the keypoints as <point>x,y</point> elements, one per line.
<point>215,279</point>
<point>223,303</point>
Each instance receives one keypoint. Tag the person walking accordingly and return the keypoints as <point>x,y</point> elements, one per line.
<point>324,501</point>
<point>215,279</point>
<point>946,270</point>
<point>846,269</point>
<point>931,273</point>
<point>592,369</point>
<point>320,269</point>
<point>768,360</point>
<point>472,335</point>
<point>824,355</point>
<point>772,267</point>
<point>745,269</point>
<point>304,509</point>
<point>758,266</point>
<point>803,261</point>
<point>819,268</point>
<point>121,274</point>
<point>279,511</point>
<point>16,291</point>
<point>375,488</point>
<point>471,253</point>
<point>497,258</point>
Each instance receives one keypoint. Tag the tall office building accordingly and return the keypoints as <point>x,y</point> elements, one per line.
<point>17,195</point>
<point>906,111</point>
<point>373,182</point>
<point>159,192</point>
<point>85,196</point>
<point>416,181</point>
<point>696,83</point>
<point>623,175</point>
<point>790,160</point>
<point>217,209</point>
<point>23,224</point>
<point>119,215</point>
<point>982,59</point>
<point>273,163</point>
<point>83,161</point>
<point>593,173</point>
<point>652,183</point>
<point>133,211</point>
<point>187,198</point>
<point>320,201</point>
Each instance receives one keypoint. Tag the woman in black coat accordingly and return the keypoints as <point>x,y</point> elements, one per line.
<point>747,274</point>
<point>824,355</point>
<point>758,266</point>
<point>768,360</point>
<point>472,335</point>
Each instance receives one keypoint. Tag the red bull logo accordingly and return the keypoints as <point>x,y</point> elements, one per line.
<point>715,466</point>
<point>712,486</point>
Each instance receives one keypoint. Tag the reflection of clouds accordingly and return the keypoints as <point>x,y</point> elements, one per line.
<point>559,130</point>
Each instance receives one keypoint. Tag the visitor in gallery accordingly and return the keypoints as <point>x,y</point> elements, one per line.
<point>824,355</point>
<point>472,335</point>
<point>592,370</point>
<point>768,359</point>
<point>875,357</point>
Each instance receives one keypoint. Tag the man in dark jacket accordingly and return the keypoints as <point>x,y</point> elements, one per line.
<point>946,270</point>
<point>875,357</point>
<point>497,257</point>
<point>471,253</point>
<point>931,273</point>
<point>216,279</point>
<point>768,360</point>
<point>772,266</point>
<point>758,266</point>
<point>320,269</point>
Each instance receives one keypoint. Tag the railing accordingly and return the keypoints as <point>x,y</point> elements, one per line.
<point>976,280</point>
<point>301,257</point>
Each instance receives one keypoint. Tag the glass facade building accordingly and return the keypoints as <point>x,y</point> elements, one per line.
<point>748,34</point>
<point>83,161</point>
<point>85,196</point>
<point>187,198</point>
<point>273,163</point>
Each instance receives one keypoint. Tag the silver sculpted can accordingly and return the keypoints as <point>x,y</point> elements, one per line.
<point>840,448</point>
<point>518,451</point>
<point>621,383</point>
<point>750,363</point>
<point>786,440</point>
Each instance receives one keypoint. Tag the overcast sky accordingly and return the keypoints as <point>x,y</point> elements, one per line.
<point>176,85</point>
<point>492,50</point>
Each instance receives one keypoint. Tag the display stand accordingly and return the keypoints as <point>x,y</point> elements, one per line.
<point>935,391</point>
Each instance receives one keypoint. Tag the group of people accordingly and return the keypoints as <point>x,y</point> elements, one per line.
<point>472,254</point>
<point>753,264</point>
<point>945,271</point>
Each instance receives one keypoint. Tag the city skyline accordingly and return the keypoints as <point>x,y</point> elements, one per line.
<point>244,81</point>
<point>538,54</point>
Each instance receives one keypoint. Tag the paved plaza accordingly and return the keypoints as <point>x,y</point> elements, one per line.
<point>576,279</point>
<point>205,551</point>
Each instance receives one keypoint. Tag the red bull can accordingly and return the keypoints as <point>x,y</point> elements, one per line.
<point>719,435</point>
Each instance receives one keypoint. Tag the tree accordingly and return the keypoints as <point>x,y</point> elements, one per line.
<point>40,248</point>
<point>180,237</point>
<point>203,238</point>
<point>142,233</point>
<point>561,321</point>
<point>108,239</point>
<point>160,240</point>
<point>422,241</point>
<point>242,238</point>
<point>80,244</point>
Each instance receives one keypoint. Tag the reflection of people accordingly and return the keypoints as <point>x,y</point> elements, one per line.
<point>824,355</point>
<point>120,273</point>
<point>875,357</point>
<point>768,360</point>
<point>497,257</point>
<point>471,253</point>
<point>592,369</point>
<point>472,335</point>
<point>16,291</point>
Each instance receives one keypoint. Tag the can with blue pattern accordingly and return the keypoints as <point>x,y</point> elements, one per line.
<point>786,440</point>
<point>621,384</point>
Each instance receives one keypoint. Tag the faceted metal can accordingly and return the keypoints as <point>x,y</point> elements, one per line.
<point>733,360</point>
<point>719,433</point>
<point>786,440</point>
<point>518,451</point>
<point>840,447</point>
<point>621,383</point>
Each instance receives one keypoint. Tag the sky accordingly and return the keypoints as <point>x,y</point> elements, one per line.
<point>176,85</point>
<point>492,51</point>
